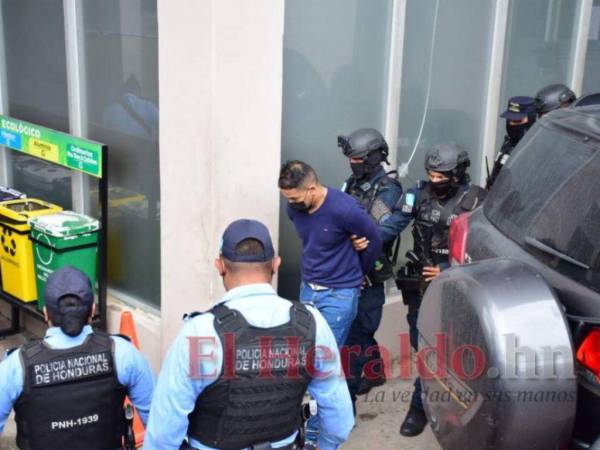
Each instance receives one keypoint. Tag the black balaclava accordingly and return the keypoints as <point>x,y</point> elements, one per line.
<point>516,132</point>
<point>370,166</point>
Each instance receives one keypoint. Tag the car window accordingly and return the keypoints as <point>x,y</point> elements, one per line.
<point>550,191</point>
<point>570,223</point>
<point>538,167</point>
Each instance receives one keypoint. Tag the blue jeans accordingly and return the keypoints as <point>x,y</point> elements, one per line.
<point>338,307</point>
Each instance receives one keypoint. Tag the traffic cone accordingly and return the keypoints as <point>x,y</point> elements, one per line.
<point>127,328</point>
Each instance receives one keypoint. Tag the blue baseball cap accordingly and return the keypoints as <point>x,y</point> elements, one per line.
<point>243,229</point>
<point>519,107</point>
<point>68,281</point>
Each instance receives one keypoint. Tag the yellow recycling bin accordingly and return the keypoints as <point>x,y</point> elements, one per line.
<point>16,251</point>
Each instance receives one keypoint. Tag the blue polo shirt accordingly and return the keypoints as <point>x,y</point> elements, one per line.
<point>328,258</point>
<point>176,392</point>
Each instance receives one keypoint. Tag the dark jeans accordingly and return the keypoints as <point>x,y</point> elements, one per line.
<point>413,301</point>
<point>362,335</point>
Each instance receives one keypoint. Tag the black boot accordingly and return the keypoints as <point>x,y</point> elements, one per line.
<point>414,422</point>
<point>366,384</point>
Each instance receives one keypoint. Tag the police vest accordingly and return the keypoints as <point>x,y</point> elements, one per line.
<point>367,194</point>
<point>258,395</point>
<point>71,398</point>
<point>501,159</point>
<point>437,216</point>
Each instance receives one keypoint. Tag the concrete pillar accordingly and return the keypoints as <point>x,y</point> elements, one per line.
<point>220,78</point>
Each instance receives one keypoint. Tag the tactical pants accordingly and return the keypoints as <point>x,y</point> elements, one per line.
<point>362,335</point>
<point>413,301</point>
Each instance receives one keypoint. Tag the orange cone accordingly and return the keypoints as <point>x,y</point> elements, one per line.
<point>127,328</point>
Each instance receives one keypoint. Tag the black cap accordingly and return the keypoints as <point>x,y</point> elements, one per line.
<point>68,281</point>
<point>243,229</point>
<point>519,108</point>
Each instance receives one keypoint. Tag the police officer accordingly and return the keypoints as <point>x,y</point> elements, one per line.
<point>520,115</point>
<point>236,375</point>
<point>433,204</point>
<point>68,388</point>
<point>379,192</point>
<point>553,96</point>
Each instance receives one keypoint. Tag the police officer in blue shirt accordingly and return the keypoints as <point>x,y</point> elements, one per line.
<point>68,388</point>
<point>379,192</point>
<point>432,204</point>
<point>520,114</point>
<point>236,375</point>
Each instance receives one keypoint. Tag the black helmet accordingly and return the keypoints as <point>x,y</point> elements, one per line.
<point>448,158</point>
<point>553,97</point>
<point>362,142</point>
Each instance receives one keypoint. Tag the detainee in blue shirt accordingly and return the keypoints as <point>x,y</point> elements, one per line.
<point>68,388</point>
<point>236,375</point>
<point>333,271</point>
<point>326,220</point>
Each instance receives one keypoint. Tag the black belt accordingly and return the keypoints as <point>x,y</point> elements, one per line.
<point>264,446</point>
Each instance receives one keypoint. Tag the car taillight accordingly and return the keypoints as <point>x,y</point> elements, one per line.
<point>588,354</point>
<point>457,240</point>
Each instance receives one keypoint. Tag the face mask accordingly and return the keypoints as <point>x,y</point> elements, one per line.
<point>516,132</point>
<point>368,167</point>
<point>442,188</point>
<point>358,170</point>
<point>300,207</point>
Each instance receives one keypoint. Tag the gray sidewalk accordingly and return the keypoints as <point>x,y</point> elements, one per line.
<point>379,415</point>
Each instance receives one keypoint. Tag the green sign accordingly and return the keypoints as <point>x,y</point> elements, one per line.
<point>54,146</point>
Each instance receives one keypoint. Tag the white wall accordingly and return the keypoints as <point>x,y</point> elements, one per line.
<point>220,76</point>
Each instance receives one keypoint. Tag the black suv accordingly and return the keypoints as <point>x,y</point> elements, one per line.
<point>521,317</point>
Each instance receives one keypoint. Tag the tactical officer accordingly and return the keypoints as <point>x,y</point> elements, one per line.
<point>433,204</point>
<point>520,115</point>
<point>68,388</point>
<point>553,96</point>
<point>379,192</point>
<point>236,375</point>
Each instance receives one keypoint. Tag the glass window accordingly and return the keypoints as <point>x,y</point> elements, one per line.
<point>591,78</point>
<point>37,89</point>
<point>537,169</point>
<point>570,223</point>
<point>334,81</point>
<point>444,79</point>
<point>121,57</point>
<point>538,51</point>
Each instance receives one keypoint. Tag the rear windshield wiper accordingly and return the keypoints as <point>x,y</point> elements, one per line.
<point>552,251</point>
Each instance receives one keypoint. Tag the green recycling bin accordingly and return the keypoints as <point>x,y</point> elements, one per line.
<point>63,239</point>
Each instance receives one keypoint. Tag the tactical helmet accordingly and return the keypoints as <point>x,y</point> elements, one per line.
<point>448,158</point>
<point>362,142</point>
<point>553,97</point>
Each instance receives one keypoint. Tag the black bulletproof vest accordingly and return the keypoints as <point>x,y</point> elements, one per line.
<point>430,212</point>
<point>71,399</point>
<point>246,406</point>
<point>366,194</point>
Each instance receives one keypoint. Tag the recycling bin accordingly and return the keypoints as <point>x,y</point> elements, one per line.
<point>63,239</point>
<point>7,193</point>
<point>16,251</point>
